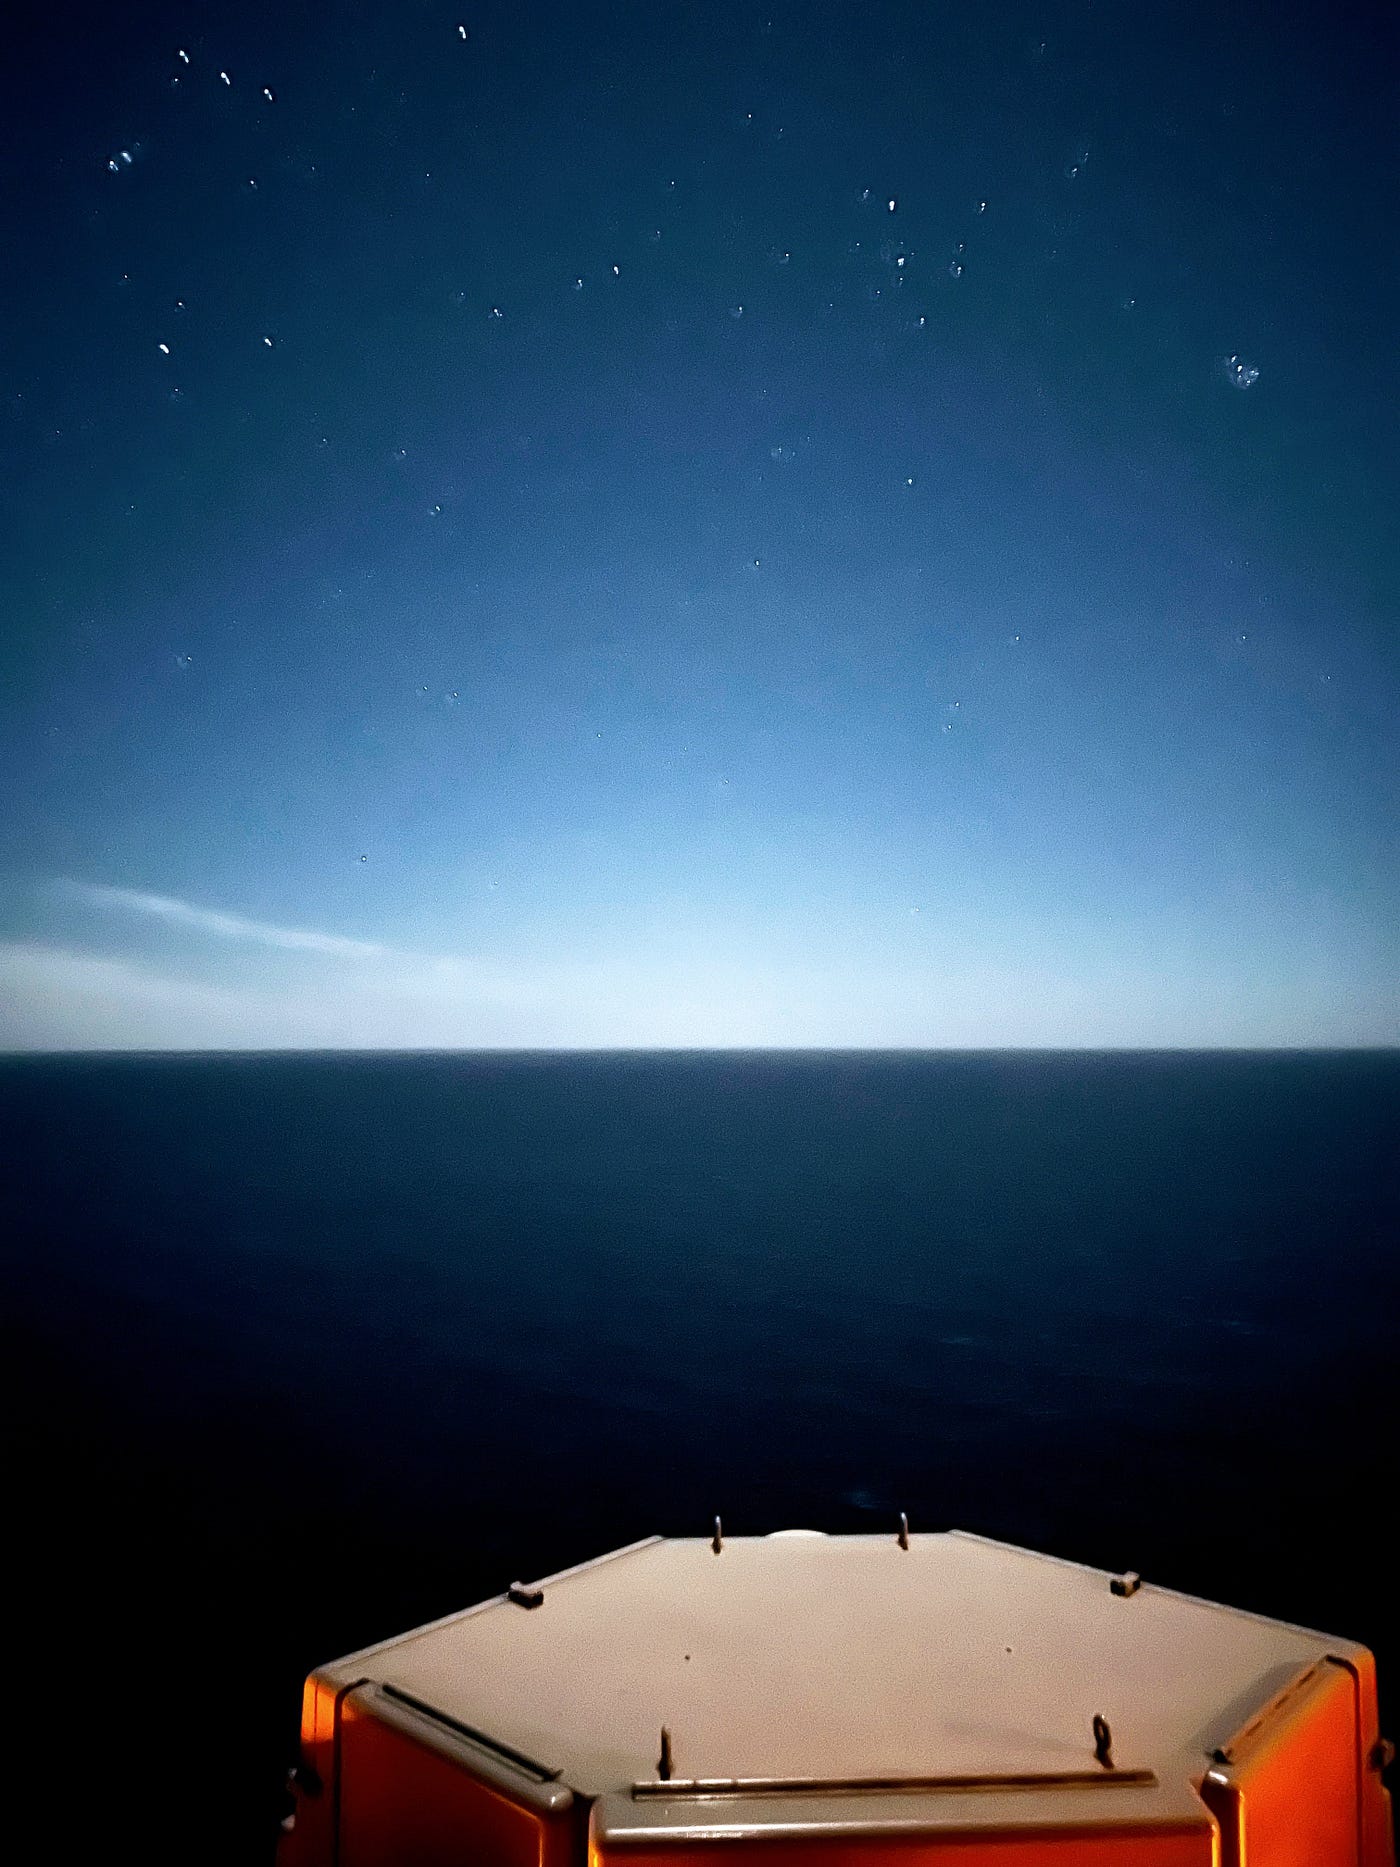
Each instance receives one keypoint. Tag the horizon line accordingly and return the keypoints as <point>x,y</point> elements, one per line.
<point>708,1050</point>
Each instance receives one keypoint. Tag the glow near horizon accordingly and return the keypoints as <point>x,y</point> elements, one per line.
<point>311,989</point>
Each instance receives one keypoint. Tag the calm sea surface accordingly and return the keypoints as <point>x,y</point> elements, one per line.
<point>303,1349</point>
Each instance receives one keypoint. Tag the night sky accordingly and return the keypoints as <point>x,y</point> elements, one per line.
<point>828,523</point>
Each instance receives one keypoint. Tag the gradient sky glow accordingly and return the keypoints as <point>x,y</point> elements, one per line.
<point>827,623</point>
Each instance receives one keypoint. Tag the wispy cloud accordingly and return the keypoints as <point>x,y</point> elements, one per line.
<point>222,926</point>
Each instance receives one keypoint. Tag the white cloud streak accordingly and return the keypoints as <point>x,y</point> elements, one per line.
<point>222,926</point>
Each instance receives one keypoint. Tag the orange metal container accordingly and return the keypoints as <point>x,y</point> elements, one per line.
<point>844,1702</point>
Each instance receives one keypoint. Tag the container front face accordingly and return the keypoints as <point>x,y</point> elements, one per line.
<point>1194,1849</point>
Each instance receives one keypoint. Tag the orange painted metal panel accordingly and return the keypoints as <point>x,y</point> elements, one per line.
<point>402,1804</point>
<point>1287,1790</point>
<point>311,1841</point>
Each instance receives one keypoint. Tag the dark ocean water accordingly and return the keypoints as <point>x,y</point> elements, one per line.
<point>304,1349</point>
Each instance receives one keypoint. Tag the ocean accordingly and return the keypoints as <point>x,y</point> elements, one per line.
<point>301,1350</point>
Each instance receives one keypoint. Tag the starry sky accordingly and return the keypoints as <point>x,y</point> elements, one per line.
<point>846,522</point>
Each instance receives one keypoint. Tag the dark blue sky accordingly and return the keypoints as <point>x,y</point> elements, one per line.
<point>515,540</point>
